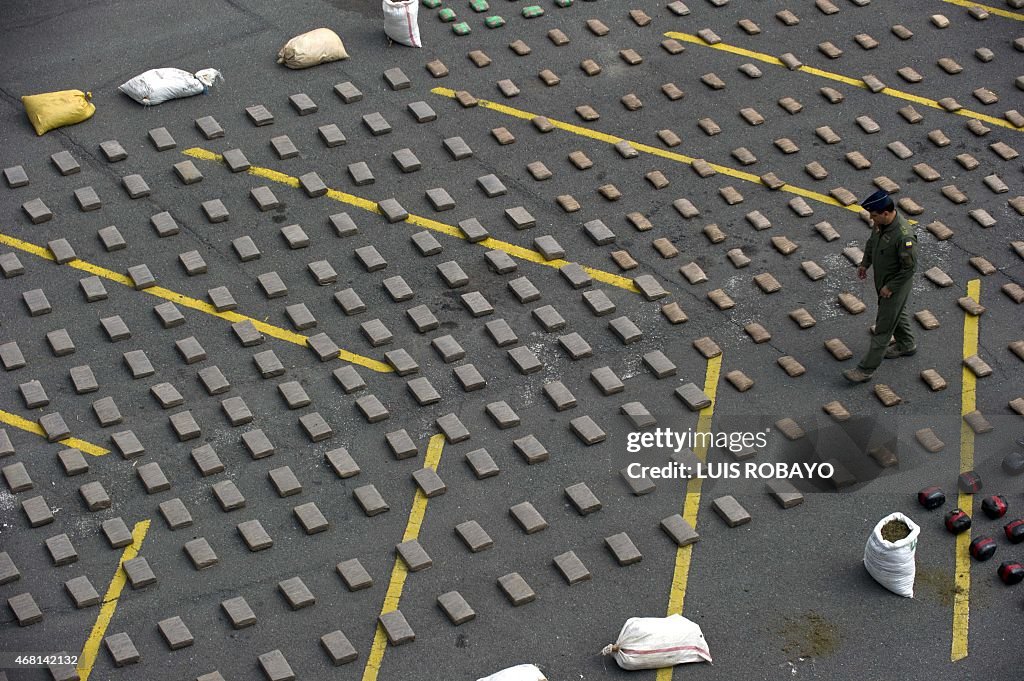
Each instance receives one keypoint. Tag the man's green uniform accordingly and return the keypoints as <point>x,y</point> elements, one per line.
<point>892,252</point>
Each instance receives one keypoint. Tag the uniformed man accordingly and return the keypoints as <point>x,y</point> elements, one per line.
<point>892,252</point>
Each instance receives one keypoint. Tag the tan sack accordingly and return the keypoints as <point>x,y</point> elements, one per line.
<point>319,46</point>
<point>52,110</point>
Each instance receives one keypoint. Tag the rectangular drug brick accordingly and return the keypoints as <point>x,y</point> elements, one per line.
<point>354,575</point>
<point>338,648</point>
<point>238,612</point>
<point>528,517</point>
<point>679,530</point>
<point>584,500</point>
<point>275,667</point>
<point>82,592</point>
<point>121,648</point>
<point>296,593</point>
<point>623,549</point>
<point>784,493</point>
<point>161,139</point>
<point>254,536</point>
<point>730,511</point>
<point>455,607</point>
<point>572,568</point>
<point>396,628</point>
<point>516,589</point>
<point>25,610</point>
<point>342,463</point>
<point>693,397</point>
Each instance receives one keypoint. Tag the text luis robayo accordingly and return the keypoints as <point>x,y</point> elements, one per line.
<point>665,439</point>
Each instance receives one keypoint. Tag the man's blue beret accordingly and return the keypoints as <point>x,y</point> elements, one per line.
<point>876,202</point>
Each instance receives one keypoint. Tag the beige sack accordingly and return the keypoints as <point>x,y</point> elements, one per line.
<point>319,46</point>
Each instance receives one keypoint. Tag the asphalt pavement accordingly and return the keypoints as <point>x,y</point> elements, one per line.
<point>783,596</point>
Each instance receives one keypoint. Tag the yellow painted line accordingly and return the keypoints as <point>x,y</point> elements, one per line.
<point>34,428</point>
<point>426,223</point>
<point>599,136</point>
<point>968,403</point>
<point>991,10</point>
<point>684,555</point>
<point>191,303</point>
<point>838,77</point>
<point>399,572</point>
<point>92,645</point>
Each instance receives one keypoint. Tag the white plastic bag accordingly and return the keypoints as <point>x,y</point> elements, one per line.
<point>656,642</point>
<point>521,672</point>
<point>401,21</point>
<point>892,563</point>
<point>319,46</point>
<point>159,85</point>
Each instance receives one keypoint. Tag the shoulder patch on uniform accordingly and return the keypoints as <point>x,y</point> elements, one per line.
<point>908,244</point>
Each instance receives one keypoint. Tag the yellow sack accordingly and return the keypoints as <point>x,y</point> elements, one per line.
<point>52,110</point>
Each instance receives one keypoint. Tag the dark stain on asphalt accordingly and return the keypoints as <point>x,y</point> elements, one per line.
<point>936,584</point>
<point>939,585</point>
<point>809,634</point>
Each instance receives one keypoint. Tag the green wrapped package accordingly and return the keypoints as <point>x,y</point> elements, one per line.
<point>563,3</point>
<point>479,5</point>
<point>494,22</point>
<point>461,28</point>
<point>431,4</point>
<point>446,15</point>
<point>533,11</point>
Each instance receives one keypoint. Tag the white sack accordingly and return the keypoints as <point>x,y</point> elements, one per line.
<point>656,642</point>
<point>521,672</point>
<point>892,563</point>
<point>401,21</point>
<point>160,85</point>
<point>319,46</point>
